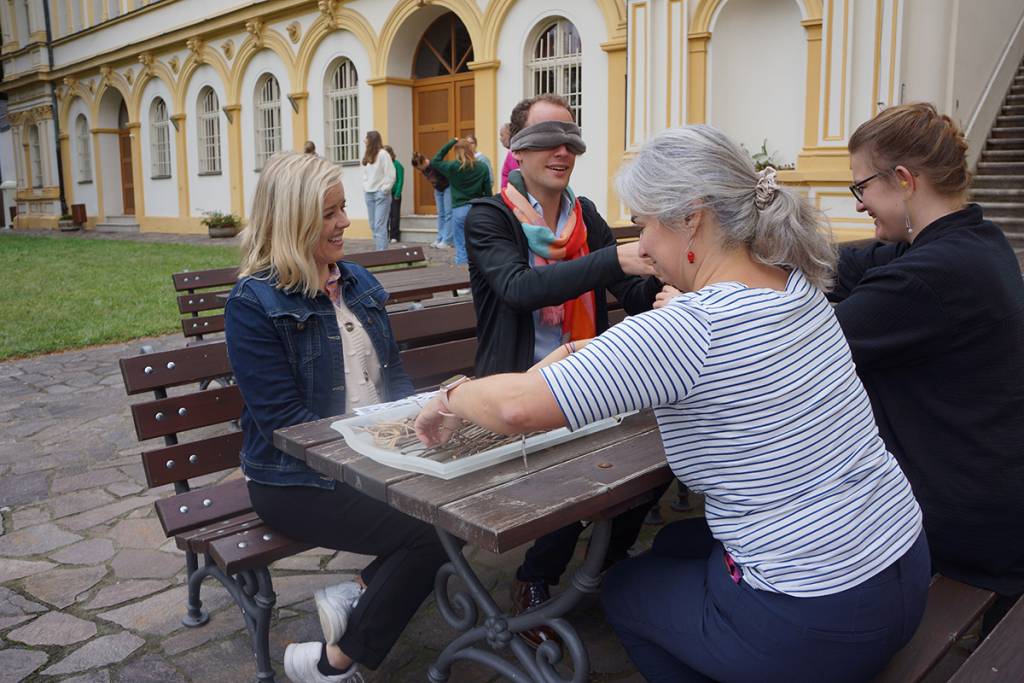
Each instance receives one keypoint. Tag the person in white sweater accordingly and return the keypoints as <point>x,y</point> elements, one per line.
<point>378,177</point>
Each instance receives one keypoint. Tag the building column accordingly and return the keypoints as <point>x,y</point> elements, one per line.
<point>616,51</point>
<point>181,164</point>
<point>135,136</point>
<point>300,119</point>
<point>65,153</point>
<point>380,105</point>
<point>485,110</point>
<point>233,112</point>
<point>697,76</point>
<point>97,173</point>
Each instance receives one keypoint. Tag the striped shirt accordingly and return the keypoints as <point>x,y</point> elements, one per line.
<point>759,408</point>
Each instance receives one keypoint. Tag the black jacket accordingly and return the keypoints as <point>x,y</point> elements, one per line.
<point>506,290</point>
<point>937,334</point>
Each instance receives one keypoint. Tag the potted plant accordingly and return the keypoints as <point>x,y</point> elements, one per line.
<point>763,159</point>
<point>220,224</point>
<point>66,224</point>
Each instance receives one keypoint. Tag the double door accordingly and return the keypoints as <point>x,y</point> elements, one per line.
<point>442,109</point>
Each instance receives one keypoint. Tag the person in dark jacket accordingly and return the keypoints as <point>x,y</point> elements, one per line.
<point>935,320</point>
<point>540,260</point>
<point>308,338</point>
<point>395,217</point>
<point>442,199</point>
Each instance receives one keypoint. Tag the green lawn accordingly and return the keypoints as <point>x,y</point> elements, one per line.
<point>67,293</point>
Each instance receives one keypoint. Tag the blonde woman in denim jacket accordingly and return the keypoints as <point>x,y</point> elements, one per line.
<point>308,337</point>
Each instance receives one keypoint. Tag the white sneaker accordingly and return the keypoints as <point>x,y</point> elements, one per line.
<point>300,660</point>
<point>335,604</point>
<point>436,245</point>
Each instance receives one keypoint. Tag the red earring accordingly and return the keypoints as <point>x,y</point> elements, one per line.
<point>690,256</point>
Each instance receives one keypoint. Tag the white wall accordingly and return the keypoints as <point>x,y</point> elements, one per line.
<point>335,45</point>
<point>926,32</point>
<point>82,192</point>
<point>206,192</point>
<point>161,194</point>
<point>758,57</point>
<point>8,171</point>
<point>591,175</point>
<point>262,62</point>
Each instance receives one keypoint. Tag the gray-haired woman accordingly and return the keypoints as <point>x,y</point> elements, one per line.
<point>811,564</point>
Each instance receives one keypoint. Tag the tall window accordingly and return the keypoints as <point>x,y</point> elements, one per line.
<point>84,156</point>
<point>343,114</point>
<point>113,8</point>
<point>26,23</point>
<point>209,132</point>
<point>268,119</point>
<point>159,140</point>
<point>34,156</point>
<point>556,65</point>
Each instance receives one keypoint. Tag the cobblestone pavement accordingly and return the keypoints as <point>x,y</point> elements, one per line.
<point>92,592</point>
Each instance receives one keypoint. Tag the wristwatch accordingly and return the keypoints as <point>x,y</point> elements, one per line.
<point>447,386</point>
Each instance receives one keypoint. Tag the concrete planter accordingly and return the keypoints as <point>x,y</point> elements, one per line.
<point>222,231</point>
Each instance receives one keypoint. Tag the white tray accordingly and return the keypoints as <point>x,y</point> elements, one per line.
<point>362,442</point>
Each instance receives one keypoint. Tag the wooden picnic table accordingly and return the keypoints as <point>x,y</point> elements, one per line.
<point>594,477</point>
<point>411,284</point>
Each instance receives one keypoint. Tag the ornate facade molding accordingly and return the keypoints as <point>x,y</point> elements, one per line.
<point>255,27</point>
<point>228,48</point>
<point>294,30</point>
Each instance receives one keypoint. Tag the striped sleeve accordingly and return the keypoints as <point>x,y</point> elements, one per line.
<point>649,360</point>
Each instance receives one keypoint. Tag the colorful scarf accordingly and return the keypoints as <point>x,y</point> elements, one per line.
<point>576,316</point>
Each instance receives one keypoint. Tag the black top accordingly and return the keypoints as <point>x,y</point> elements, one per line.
<point>435,178</point>
<point>937,333</point>
<point>506,290</point>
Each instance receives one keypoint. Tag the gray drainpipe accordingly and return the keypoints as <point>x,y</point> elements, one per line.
<point>56,109</point>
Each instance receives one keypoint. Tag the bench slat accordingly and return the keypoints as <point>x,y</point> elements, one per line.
<point>434,324</point>
<point>193,459</point>
<point>151,371</point>
<point>201,279</point>
<point>198,540</point>
<point>428,365</point>
<point>951,609</point>
<point>202,301</point>
<point>388,257</point>
<point>252,548</point>
<point>182,413</point>
<point>204,324</point>
<point>226,500</point>
<point>1000,657</point>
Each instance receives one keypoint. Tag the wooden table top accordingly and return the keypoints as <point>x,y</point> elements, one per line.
<point>412,283</point>
<point>506,505</point>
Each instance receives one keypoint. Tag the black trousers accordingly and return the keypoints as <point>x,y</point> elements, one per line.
<point>394,231</point>
<point>408,555</point>
<point>549,555</point>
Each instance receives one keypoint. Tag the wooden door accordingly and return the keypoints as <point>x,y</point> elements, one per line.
<point>127,179</point>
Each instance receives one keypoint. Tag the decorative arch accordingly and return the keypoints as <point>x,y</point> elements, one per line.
<point>267,39</point>
<point>159,71</point>
<point>344,19</point>
<point>707,10</point>
<point>613,11</point>
<point>206,56</point>
<point>111,80</point>
<point>466,10</point>
<point>71,93</point>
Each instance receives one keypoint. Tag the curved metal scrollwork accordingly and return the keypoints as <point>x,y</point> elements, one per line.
<point>498,631</point>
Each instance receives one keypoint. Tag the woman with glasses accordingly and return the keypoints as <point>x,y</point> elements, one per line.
<point>934,316</point>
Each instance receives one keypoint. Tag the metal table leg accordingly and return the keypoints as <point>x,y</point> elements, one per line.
<point>498,630</point>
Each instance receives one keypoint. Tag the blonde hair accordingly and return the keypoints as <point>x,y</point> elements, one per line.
<point>286,221</point>
<point>464,154</point>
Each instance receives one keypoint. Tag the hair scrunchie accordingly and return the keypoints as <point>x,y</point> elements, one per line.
<point>764,191</point>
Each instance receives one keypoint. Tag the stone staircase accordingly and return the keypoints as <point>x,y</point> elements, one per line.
<point>999,179</point>
<point>420,229</point>
<point>118,224</point>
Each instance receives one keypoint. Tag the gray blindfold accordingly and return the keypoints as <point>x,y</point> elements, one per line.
<point>548,135</point>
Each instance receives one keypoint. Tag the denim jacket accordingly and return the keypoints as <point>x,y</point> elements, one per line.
<point>285,351</point>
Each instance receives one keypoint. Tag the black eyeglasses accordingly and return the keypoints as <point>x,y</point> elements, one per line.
<point>857,188</point>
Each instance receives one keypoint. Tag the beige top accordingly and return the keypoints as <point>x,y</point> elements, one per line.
<point>362,367</point>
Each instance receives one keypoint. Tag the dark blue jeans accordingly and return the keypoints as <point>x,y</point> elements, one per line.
<point>682,618</point>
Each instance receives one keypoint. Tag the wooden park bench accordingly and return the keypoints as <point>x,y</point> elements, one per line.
<point>205,290</point>
<point>1000,657</point>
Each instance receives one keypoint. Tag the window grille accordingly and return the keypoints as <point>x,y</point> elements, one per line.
<point>159,140</point>
<point>556,66</point>
<point>209,132</point>
<point>268,120</point>
<point>343,114</point>
<point>34,157</point>
<point>84,157</point>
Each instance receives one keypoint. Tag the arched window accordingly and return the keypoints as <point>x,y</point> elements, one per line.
<point>35,158</point>
<point>268,119</point>
<point>208,123</point>
<point>159,140</point>
<point>342,107</point>
<point>84,156</point>
<point>555,65</point>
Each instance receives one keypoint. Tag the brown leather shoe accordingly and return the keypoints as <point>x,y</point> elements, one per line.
<point>527,595</point>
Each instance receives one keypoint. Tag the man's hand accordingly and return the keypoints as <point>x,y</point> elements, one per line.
<point>667,293</point>
<point>631,262</point>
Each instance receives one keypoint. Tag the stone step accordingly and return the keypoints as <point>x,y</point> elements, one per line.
<point>1010,182</point>
<point>1005,143</point>
<point>1010,121</point>
<point>418,229</point>
<point>1001,168</point>
<point>997,194</point>
<point>1005,209</point>
<point>1015,237</point>
<point>1015,99</point>
<point>124,224</point>
<point>1008,132</point>
<point>1010,224</point>
<point>1003,154</point>
<point>1012,110</point>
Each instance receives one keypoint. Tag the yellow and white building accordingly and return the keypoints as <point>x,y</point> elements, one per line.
<point>150,113</point>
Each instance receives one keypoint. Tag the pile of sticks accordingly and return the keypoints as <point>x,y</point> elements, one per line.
<point>469,439</point>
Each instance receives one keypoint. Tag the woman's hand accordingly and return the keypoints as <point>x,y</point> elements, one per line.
<point>433,428</point>
<point>560,353</point>
<point>667,293</point>
<point>631,262</point>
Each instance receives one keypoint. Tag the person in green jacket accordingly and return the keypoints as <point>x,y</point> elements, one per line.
<point>394,231</point>
<point>468,180</point>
